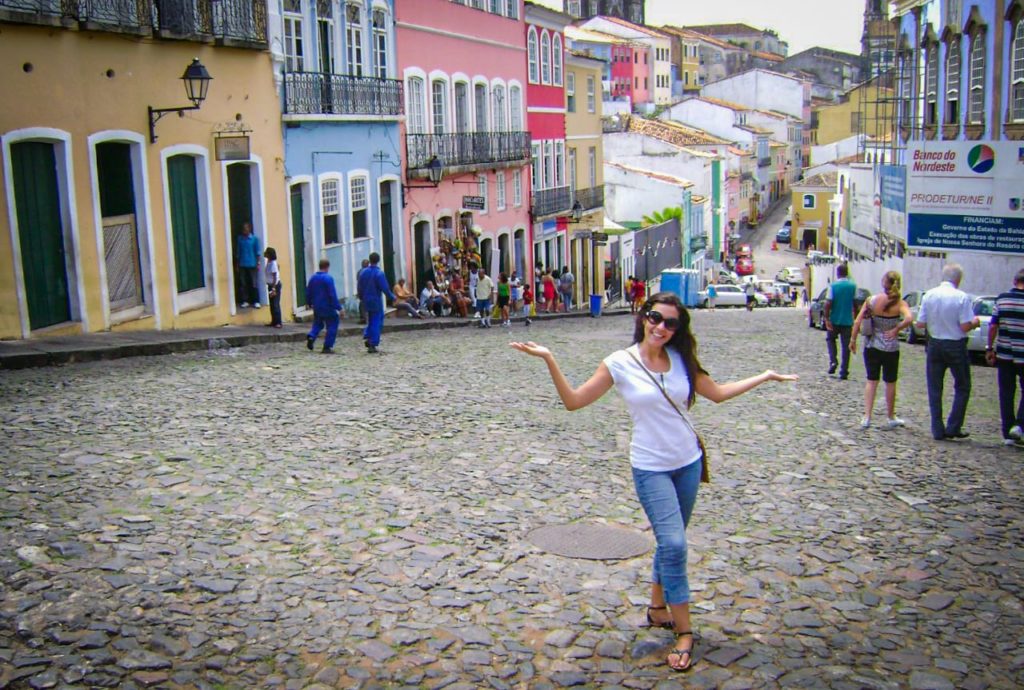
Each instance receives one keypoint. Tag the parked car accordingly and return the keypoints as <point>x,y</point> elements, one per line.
<point>794,275</point>
<point>730,296</point>
<point>783,293</point>
<point>744,267</point>
<point>977,339</point>
<point>727,277</point>
<point>816,312</point>
<point>783,235</point>
<point>744,251</point>
<point>915,334</point>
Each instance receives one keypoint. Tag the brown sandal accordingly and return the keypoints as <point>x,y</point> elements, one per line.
<point>680,654</point>
<point>667,625</point>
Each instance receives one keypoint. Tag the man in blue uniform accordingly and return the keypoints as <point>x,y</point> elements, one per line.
<point>372,286</point>
<point>322,296</point>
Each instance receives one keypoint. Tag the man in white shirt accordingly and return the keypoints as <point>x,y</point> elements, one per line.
<point>947,314</point>
<point>484,295</point>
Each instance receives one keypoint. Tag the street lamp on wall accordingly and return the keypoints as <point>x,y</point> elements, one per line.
<point>197,83</point>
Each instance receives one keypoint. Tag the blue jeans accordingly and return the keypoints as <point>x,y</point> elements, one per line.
<point>331,322</point>
<point>374,326</point>
<point>943,355</point>
<point>836,358</point>
<point>668,499</point>
<point>567,300</point>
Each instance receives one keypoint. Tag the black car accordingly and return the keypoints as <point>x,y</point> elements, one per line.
<point>783,235</point>
<point>816,312</point>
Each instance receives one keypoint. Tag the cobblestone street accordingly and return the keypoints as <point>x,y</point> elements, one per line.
<point>267,517</point>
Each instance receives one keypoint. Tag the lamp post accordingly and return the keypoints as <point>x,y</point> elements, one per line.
<point>197,83</point>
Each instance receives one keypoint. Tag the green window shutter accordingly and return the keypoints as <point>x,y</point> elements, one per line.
<point>185,227</point>
<point>40,232</point>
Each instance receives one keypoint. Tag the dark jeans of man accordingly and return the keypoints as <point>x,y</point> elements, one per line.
<point>247,277</point>
<point>1011,380</point>
<point>843,334</point>
<point>943,355</point>
<point>275,303</point>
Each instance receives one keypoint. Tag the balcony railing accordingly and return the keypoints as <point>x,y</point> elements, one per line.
<point>311,93</point>
<point>467,149</point>
<point>135,15</point>
<point>551,202</point>
<point>244,21</point>
<point>591,197</point>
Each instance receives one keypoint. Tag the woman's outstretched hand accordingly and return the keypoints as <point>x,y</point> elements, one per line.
<point>531,348</point>
<point>775,376</point>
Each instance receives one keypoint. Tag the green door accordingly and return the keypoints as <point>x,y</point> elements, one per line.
<point>239,211</point>
<point>185,227</point>
<point>40,233</point>
<point>387,237</point>
<point>299,245</point>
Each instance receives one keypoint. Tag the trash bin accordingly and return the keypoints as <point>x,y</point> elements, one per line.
<point>595,305</point>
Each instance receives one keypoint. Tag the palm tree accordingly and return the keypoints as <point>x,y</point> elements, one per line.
<point>663,216</point>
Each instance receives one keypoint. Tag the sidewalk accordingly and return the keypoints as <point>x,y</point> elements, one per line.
<point>42,352</point>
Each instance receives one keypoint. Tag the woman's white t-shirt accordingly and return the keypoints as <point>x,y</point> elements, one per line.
<point>270,273</point>
<point>661,439</point>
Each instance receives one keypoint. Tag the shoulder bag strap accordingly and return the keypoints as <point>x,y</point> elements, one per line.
<point>664,393</point>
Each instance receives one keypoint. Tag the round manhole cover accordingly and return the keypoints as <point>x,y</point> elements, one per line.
<point>596,542</point>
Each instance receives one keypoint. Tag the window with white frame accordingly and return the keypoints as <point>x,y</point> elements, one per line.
<point>462,124</point>
<point>439,106</point>
<point>380,44</point>
<point>556,60</point>
<point>499,190</point>
<point>809,201</point>
<point>549,164</point>
<point>415,93</point>
<point>354,39</point>
<point>953,81</point>
<point>1017,73</point>
<point>931,84</point>
<point>536,162</point>
<point>517,188</point>
<point>531,55</point>
<point>495,6</point>
<point>331,211</point>
<point>591,99</point>
<point>357,196</point>
<point>545,58</point>
<point>976,100</point>
<point>572,169</point>
<point>573,8</point>
<point>592,165</point>
<point>481,190</point>
<point>515,107</point>
<point>480,106</point>
<point>570,92</point>
<point>512,9</point>
<point>498,108</point>
<point>325,35</point>
<point>293,50</point>
<point>559,163</point>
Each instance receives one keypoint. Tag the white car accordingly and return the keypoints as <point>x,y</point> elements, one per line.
<point>730,296</point>
<point>977,339</point>
<point>794,275</point>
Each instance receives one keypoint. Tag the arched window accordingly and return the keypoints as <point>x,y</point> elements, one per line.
<point>515,106</point>
<point>545,58</point>
<point>556,60</point>
<point>416,105</point>
<point>1017,73</point>
<point>931,84</point>
<point>499,108</point>
<point>439,106</point>
<point>953,81</point>
<point>354,39</point>
<point>531,54</point>
<point>480,106</point>
<point>380,44</point>
<point>976,99</point>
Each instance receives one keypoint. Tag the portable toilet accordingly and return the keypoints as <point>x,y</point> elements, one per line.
<point>672,280</point>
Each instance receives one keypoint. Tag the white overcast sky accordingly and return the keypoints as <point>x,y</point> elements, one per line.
<point>833,24</point>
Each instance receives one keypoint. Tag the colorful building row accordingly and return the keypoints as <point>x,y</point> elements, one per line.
<point>429,131</point>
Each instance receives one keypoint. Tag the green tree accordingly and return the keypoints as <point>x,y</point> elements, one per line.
<point>659,217</point>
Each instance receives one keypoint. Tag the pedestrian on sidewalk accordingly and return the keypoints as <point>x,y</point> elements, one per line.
<point>639,294</point>
<point>712,296</point>
<point>629,294</point>
<point>372,289</point>
<point>1006,351</point>
<point>473,278</point>
<point>751,292</point>
<point>247,259</point>
<point>839,315</point>
<point>362,307</point>
<point>565,287</point>
<point>527,303</point>
<point>947,314</point>
<point>658,377</point>
<point>272,277</point>
<point>887,314</point>
<point>504,298</point>
<point>484,295</point>
<point>550,290</point>
<point>322,296</point>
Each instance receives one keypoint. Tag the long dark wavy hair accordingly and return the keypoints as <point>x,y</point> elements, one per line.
<point>682,340</point>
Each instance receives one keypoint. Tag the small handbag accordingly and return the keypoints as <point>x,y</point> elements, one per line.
<point>705,472</point>
<point>867,325</point>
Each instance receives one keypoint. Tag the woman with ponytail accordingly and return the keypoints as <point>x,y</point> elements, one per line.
<point>888,314</point>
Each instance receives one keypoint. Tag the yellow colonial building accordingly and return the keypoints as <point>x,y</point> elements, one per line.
<point>811,211</point>
<point>865,109</point>
<point>115,215</point>
<point>585,169</point>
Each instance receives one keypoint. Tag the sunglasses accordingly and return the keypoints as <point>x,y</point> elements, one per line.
<point>655,317</point>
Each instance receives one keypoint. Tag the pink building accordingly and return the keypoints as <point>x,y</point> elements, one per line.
<point>467,148</point>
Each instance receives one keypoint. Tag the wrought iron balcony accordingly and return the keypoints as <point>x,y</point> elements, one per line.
<point>313,93</point>
<point>467,149</point>
<point>556,201</point>
<point>132,15</point>
<point>591,197</point>
<point>243,21</point>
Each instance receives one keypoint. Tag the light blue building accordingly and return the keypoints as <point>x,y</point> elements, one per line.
<point>335,64</point>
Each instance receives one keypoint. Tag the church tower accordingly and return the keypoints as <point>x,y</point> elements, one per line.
<point>630,10</point>
<point>878,40</point>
